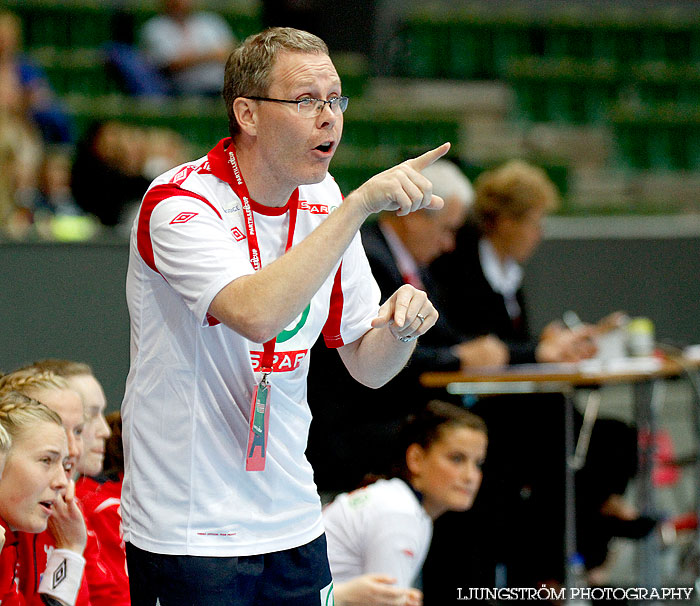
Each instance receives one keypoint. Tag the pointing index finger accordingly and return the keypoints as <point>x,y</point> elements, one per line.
<point>425,160</point>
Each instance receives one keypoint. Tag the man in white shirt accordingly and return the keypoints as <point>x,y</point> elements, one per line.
<point>238,261</point>
<point>189,46</point>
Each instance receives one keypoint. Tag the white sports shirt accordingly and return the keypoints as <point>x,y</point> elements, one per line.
<point>381,529</point>
<point>188,393</point>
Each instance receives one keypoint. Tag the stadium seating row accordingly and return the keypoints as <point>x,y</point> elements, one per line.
<point>638,75</point>
<point>75,24</point>
<point>479,42</point>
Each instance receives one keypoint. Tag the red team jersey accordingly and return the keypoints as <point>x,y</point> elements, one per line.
<point>22,561</point>
<point>25,556</point>
<point>101,506</point>
<point>9,569</point>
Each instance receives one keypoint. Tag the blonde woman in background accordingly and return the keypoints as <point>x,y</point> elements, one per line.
<point>72,396</point>
<point>33,490</point>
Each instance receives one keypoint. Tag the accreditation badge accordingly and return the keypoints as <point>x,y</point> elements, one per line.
<point>259,425</point>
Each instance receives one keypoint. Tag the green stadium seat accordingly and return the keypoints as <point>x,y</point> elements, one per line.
<point>660,82</point>
<point>87,23</point>
<point>408,130</point>
<point>201,122</point>
<point>421,48</point>
<point>563,90</point>
<point>353,69</point>
<point>81,71</point>
<point>661,137</point>
<point>352,165</point>
<point>474,42</point>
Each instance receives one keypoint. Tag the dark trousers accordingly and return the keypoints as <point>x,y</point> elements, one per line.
<point>294,577</point>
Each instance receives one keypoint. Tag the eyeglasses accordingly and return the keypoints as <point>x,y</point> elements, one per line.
<point>311,107</point>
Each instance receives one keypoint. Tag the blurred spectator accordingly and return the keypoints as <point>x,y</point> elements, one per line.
<point>49,203</point>
<point>128,65</point>
<point>115,163</point>
<point>189,47</point>
<point>54,195</point>
<point>24,89</point>
<point>21,152</point>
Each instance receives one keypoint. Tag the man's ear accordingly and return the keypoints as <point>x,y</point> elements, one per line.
<point>246,112</point>
<point>414,459</point>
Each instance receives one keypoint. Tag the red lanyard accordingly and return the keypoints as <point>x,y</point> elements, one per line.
<point>241,190</point>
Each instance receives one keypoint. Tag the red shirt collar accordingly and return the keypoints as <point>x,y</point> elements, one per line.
<point>220,165</point>
<point>218,161</point>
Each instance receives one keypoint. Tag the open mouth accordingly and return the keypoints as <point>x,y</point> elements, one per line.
<point>47,506</point>
<point>325,147</point>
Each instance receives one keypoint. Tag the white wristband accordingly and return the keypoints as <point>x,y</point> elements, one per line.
<point>63,576</point>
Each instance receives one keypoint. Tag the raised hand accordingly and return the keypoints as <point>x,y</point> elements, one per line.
<point>402,188</point>
<point>66,524</point>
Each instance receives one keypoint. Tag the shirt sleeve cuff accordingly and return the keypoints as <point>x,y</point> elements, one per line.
<point>63,575</point>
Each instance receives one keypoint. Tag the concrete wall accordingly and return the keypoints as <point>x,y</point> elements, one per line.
<point>66,300</point>
<point>63,300</point>
<point>643,266</point>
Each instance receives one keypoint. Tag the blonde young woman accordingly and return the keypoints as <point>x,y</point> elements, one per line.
<point>106,576</point>
<point>55,393</point>
<point>99,585</point>
<point>81,378</point>
<point>33,493</point>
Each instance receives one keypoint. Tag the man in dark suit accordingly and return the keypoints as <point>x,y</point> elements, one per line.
<point>354,428</point>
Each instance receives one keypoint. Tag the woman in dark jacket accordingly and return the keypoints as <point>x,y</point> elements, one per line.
<point>517,523</point>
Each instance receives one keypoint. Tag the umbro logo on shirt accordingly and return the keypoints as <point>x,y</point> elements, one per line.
<point>183,218</point>
<point>238,234</point>
<point>182,174</point>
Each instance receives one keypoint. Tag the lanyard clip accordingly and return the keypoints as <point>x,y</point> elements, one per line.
<point>265,373</point>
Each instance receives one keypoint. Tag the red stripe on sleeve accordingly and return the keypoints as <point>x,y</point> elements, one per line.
<point>153,197</point>
<point>331,329</point>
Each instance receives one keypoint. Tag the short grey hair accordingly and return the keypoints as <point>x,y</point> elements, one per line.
<point>449,181</point>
